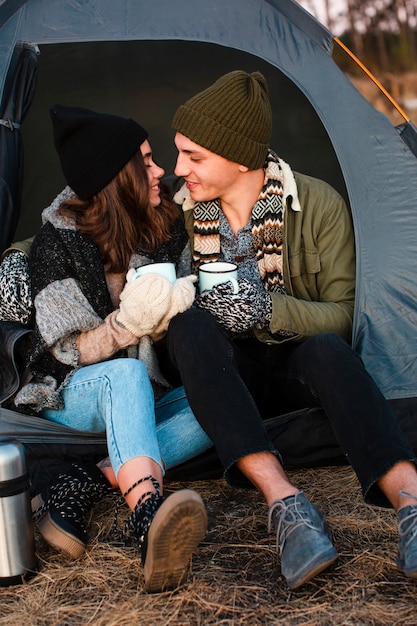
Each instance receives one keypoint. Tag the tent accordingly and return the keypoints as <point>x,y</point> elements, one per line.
<point>374,165</point>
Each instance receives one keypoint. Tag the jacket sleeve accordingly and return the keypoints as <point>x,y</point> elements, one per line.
<point>19,246</point>
<point>319,268</point>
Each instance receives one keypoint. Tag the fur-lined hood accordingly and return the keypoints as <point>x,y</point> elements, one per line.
<point>50,214</point>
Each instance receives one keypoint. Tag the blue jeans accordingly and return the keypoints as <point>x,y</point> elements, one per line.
<point>232,385</point>
<point>116,397</point>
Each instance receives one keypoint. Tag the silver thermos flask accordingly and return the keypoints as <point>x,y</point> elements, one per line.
<point>17,542</point>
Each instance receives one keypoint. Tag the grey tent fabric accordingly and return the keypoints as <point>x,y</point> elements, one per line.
<point>408,132</point>
<point>18,93</point>
<point>32,429</point>
<point>378,161</point>
<point>7,9</point>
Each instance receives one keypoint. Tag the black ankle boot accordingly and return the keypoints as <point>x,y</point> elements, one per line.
<point>140,519</point>
<point>168,531</point>
<point>60,510</point>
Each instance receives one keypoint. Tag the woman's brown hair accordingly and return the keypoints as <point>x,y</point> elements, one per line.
<point>120,220</point>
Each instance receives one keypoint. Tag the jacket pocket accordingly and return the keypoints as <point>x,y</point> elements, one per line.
<point>304,262</point>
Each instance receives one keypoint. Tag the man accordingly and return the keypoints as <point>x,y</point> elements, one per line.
<point>281,342</point>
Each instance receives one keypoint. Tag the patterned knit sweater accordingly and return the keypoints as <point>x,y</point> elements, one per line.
<point>71,295</point>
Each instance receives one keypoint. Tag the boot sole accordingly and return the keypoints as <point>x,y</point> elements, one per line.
<point>54,535</point>
<point>320,567</point>
<point>176,530</point>
<point>59,538</point>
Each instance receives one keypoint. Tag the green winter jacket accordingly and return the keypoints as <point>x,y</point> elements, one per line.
<point>319,266</point>
<point>19,246</point>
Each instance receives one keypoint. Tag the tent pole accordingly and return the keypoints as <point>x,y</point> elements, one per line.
<point>372,77</point>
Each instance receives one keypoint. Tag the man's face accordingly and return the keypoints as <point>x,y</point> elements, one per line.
<point>208,176</point>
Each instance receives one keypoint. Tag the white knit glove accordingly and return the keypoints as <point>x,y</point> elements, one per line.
<point>182,297</point>
<point>143,303</point>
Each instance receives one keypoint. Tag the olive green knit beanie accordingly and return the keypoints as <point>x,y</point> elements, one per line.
<point>232,118</point>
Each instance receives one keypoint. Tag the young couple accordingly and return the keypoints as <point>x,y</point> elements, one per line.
<point>280,343</point>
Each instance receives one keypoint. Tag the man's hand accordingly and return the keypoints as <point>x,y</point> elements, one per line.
<point>237,313</point>
<point>182,297</point>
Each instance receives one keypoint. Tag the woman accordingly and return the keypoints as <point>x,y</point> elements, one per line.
<point>92,338</point>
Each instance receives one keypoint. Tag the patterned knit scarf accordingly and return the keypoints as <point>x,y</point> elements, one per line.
<point>267,227</point>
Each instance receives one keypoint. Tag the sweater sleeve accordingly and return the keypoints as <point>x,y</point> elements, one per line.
<point>184,264</point>
<point>66,321</point>
<point>103,342</point>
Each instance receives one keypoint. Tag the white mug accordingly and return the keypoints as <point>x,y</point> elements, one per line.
<point>216,273</point>
<point>167,270</point>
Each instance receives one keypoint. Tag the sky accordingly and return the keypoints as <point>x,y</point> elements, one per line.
<point>317,8</point>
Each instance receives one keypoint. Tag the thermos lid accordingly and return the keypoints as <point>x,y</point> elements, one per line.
<point>12,459</point>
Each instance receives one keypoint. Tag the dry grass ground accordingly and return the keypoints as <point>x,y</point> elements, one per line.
<point>235,577</point>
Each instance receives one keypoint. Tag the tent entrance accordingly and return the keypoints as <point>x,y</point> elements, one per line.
<point>148,80</point>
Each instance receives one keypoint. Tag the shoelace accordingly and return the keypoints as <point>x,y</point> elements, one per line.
<point>140,520</point>
<point>411,516</point>
<point>289,519</point>
<point>142,509</point>
<point>40,511</point>
<point>71,495</point>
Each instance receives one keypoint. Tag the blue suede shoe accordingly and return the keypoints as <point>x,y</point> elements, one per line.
<point>407,545</point>
<point>303,539</point>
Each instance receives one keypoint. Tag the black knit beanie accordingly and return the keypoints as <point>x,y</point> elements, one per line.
<point>232,118</point>
<point>93,147</point>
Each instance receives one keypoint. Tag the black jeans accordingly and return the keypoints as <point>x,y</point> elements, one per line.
<point>232,385</point>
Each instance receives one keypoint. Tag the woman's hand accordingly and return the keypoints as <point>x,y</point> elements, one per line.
<point>182,297</point>
<point>144,302</point>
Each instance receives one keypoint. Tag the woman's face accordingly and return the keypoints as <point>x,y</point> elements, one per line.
<point>154,172</point>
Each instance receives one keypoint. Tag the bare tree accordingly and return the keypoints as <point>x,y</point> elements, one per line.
<point>329,18</point>
<point>406,16</point>
<point>382,33</point>
<point>354,18</point>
